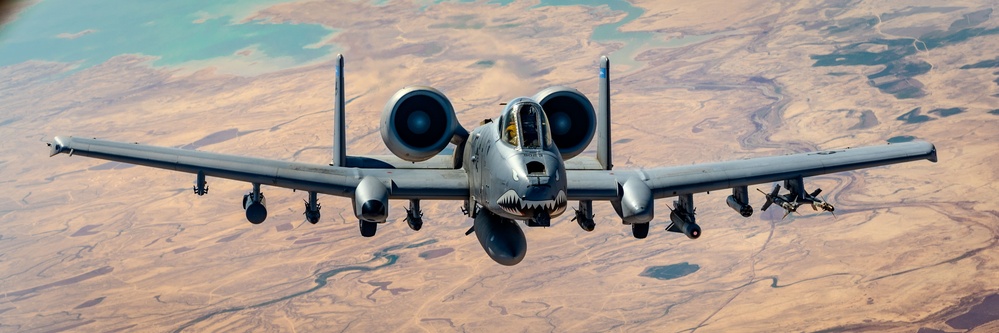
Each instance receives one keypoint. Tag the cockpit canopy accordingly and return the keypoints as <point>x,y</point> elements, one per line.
<point>525,125</point>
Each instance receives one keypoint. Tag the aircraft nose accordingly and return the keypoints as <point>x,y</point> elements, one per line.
<point>537,192</point>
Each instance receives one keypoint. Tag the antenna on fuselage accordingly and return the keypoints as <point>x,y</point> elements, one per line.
<point>603,116</point>
<point>339,127</point>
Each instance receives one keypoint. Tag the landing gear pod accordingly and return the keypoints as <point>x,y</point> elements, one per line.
<point>371,200</point>
<point>636,204</point>
<point>370,205</point>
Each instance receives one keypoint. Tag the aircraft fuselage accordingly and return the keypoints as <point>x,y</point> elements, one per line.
<point>514,173</point>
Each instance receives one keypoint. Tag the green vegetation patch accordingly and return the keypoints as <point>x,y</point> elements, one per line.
<point>913,117</point>
<point>946,112</point>
<point>900,86</point>
<point>856,54</point>
<point>760,79</point>
<point>484,64</point>
<point>436,253</point>
<point>995,112</point>
<point>903,69</point>
<point>851,24</point>
<point>907,11</point>
<point>670,272</point>
<point>901,138</point>
<point>897,78</point>
<point>867,120</point>
<point>971,19</point>
<point>983,64</point>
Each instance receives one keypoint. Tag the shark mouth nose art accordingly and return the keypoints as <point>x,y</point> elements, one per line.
<point>513,204</point>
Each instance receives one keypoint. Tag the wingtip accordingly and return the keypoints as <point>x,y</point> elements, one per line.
<point>604,61</point>
<point>339,59</point>
<point>927,149</point>
<point>57,145</point>
<point>933,153</point>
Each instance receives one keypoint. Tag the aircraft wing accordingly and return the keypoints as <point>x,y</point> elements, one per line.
<point>675,180</point>
<point>338,181</point>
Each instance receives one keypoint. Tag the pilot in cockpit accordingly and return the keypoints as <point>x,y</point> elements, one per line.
<point>526,126</point>
<point>511,131</point>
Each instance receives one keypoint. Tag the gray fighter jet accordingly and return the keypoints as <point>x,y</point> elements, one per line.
<point>522,166</point>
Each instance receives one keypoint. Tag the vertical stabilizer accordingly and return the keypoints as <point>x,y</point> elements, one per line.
<point>604,116</point>
<point>339,127</point>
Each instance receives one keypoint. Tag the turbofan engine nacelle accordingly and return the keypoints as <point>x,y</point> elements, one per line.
<point>502,239</point>
<point>636,203</point>
<point>572,119</point>
<point>417,123</point>
<point>371,200</point>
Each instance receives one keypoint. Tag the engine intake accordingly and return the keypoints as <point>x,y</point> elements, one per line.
<point>417,123</point>
<point>572,119</point>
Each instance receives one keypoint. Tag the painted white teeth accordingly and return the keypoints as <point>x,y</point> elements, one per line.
<point>511,203</point>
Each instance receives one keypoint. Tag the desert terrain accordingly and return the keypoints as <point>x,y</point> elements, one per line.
<point>88,245</point>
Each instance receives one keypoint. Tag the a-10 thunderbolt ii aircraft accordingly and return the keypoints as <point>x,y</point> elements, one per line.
<point>522,166</point>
